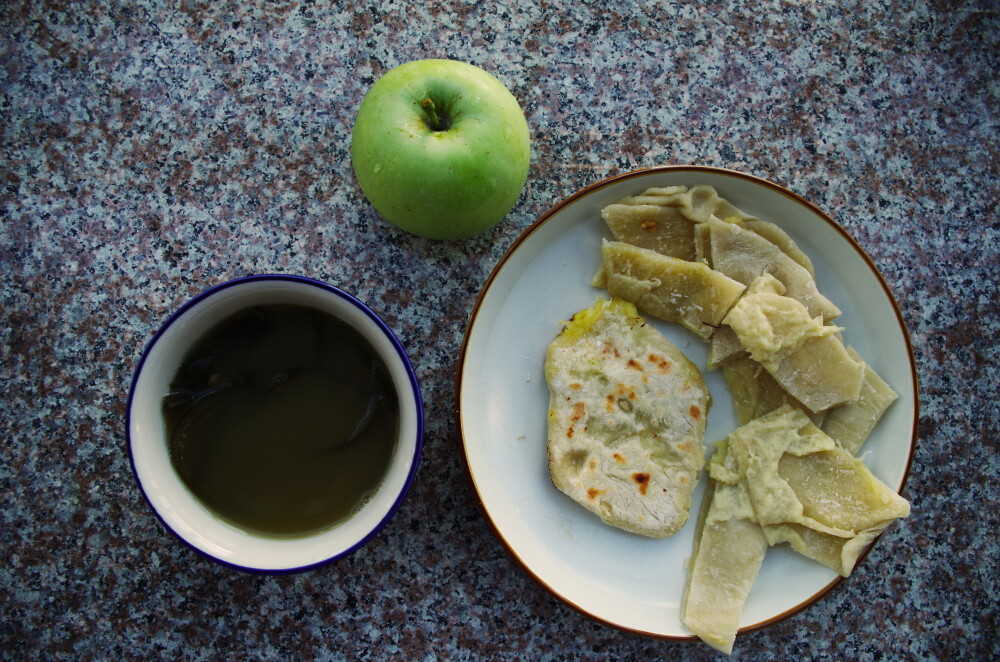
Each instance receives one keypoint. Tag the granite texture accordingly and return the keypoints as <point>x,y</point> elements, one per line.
<point>148,151</point>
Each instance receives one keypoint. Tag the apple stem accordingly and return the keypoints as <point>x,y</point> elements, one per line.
<point>431,116</point>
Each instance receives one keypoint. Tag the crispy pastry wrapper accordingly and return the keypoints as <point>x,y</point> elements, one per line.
<point>778,479</point>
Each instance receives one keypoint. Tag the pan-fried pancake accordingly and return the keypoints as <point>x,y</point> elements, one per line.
<point>626,420</point>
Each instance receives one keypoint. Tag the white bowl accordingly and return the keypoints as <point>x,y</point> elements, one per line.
<point>181,511</point>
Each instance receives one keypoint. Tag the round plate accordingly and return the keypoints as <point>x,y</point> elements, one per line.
<point>621,579</point>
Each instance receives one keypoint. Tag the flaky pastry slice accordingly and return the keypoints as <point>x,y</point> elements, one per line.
<point>756,393</point>
<point>744,255</point>
<point>797,474</point>
<point>802,353</point>
<point>851,423</point>
<point>670,289</point>
<point>728,553</point>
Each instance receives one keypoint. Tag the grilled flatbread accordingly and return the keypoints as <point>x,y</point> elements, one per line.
<point>626,420</point>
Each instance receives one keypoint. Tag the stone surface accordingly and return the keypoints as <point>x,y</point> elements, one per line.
<point>148,151</point>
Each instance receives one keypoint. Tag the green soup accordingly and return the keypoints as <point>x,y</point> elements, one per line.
<point>282,419</point>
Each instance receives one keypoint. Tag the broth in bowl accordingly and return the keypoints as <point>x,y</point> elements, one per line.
<point>282,419</point>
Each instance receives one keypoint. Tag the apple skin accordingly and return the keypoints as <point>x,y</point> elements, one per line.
<point>441,184</point>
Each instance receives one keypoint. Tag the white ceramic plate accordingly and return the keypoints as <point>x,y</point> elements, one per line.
<point>621,579</point>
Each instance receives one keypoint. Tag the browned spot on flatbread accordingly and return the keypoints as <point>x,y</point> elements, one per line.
<point>635,365</point>
<point>593,493</point>
<point>695,412</point>
<point>625,390</point>
<point>642,480</point>
<point>660,362</point>
<point>609,348</point>
<point>619,458</point>
<point>620,396</point>
<point>578,411</point>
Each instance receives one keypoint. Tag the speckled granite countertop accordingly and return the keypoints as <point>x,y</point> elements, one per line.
<point>148,151</point>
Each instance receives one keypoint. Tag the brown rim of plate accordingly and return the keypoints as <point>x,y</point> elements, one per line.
<point>541,221</point>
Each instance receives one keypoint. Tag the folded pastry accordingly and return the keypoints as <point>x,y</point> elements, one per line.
<point>756,393</point>
<point>851,423</point>
<point>778,479</point>
<point>661,228</point>
<point>728,553</point>
<point>838,554</point>
<point>797,474</point>
<point>670,289</point>
<point>724,346</point>
<point>744,255</point>
<point>698,203</point>
<point>780,238</point>
<point>804,355</point>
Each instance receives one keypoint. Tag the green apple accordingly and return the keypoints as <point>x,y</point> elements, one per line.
<point>441,148</point>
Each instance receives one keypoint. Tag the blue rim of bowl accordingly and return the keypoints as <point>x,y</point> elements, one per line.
<point>414,386</point>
